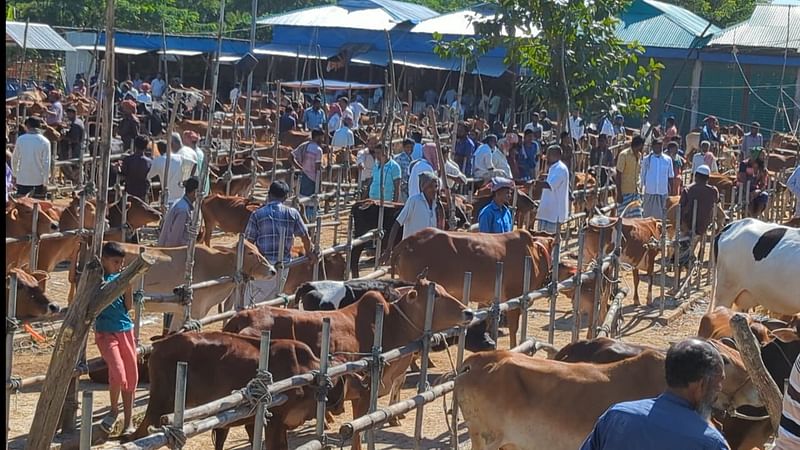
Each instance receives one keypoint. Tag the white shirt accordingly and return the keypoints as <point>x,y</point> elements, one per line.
<point>157,86</point>
<point>450,96</point>
<point>419,166</point>
<point>698,159</point>
<point>607,128</point>
<point>656,172</point>
<point>334,122</point>
<point>417,214</point>
<point>365,162</point>
<point>234,95</point>
<point>531,126</point>
<point>554,206</point>
<point>500,162</point>
<point>358,110</point>
<point>348,112</point>
<point>458,108</point>
<point>188,161</point>
<point>576,129</point>
<point>174,176</point>
<point>343,137</point>
<point>30,163</point>
<point>451,170</point>
<point>482,165</point>
<point>494,104</point>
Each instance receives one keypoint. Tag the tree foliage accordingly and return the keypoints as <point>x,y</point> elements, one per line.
<point>572,42</point>
<point>723,13</point>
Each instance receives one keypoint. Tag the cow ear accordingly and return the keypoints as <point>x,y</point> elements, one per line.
<point>786,335</point>
<point>14,213</point>
<point>423,274</point>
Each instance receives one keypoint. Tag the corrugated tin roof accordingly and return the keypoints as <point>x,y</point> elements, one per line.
<point>770,26</point>
<point>657,24</point>
<point>40,37</point>
<point>786,2</point>
<point>360,14</point>
<point>460,23</point>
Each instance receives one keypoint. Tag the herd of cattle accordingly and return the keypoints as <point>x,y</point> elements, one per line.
<point>530,406</point>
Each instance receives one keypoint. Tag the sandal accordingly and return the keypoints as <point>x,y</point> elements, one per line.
<point>107,425</point>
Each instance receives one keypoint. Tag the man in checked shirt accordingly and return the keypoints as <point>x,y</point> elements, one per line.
<point>264,230</point>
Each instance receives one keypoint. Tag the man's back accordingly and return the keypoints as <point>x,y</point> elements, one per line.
<point>705,196</point>
<point>343,137</point>
<point>666,422</point>
<point>265,225</point>
<point>135,169</point>
<point>31,160</point>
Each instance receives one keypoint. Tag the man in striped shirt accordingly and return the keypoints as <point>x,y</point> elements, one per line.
<point>789,429</point>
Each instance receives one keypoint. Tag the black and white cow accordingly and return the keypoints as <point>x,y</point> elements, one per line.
<point>327,295</point>
<point>758,263</point>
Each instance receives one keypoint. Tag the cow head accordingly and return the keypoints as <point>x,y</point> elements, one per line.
<point>19,217</point>
<point>737,388</point>
<point>32,303</point>
<point>447,310</point>
<point>780,353</point>
<point>70,218</point>
<point>140,213</point>
<point>255,265</point>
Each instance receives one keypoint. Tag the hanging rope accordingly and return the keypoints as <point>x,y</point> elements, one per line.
<point>257,391</point>
<point>324,384</point>
<point>176,438</point>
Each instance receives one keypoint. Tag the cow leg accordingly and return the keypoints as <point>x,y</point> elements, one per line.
<point>636,301</point>
<point>360,408</point>
<point>276,436</point>
<point>355,255</point>
<point>209,225</point>
<point>651,261</point>
<point>512,316</point>
<point>218,437</point>
<point>394,397</point>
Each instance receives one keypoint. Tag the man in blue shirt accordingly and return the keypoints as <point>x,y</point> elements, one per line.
<point>287,122</point>
<point>496,216</point>
<point>710,131</point>
<point>678,418</point>
<point>314,117</point>
<point>526,157</point>
<point>464,149</point>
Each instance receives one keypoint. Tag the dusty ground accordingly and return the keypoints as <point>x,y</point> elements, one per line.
<point>641,325</point>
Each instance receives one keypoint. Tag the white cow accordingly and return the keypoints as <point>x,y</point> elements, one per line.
<point>758,263</point>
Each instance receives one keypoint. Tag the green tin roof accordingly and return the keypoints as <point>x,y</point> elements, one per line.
<point>657,24</point>
<point>773,26</point>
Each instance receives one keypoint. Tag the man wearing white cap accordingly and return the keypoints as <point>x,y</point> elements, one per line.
<point>554,206</point>
<point>496,216</point>
<point>420,211</point>
<point>706,197</point>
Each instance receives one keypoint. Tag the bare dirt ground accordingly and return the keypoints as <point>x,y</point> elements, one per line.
<point>642,325</point>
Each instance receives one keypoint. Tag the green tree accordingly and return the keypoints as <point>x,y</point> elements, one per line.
<point>568,52</point>
<point>723,13</point>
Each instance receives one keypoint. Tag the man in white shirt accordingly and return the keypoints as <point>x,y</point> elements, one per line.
<point>343,137</point>
<point>158,86</point>
<point>657,174</point>
<point>234,94</point>
<point>347,111</point>
<point>482,165</point>
<point>188,157</point>
<point>377,98</point>
<point>427,163</point>
<point>420,211</point>
<point>174,182</point>
<point>365,160</point>
<point>554,206</point>
<point>576,127</point>
<point>494,107</point>
<point>358,109</point>
<point>534,124</point>
<point>705,156</point>
<point>450,96</point>
<point>30,162</point>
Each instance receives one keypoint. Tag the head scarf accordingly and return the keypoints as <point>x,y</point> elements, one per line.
<point>429,152</point>
<point>145,87</point>
<point>335,109</point>
<point>500,183</point>
<point>128,106</point>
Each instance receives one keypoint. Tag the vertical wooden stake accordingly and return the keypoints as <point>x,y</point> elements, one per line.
<point>263,365</point>
<point>422,385</point>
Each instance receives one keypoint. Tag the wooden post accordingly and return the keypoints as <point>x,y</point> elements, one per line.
<point>498,289</point>
<point>598,277</point>
<point>11,317</point>
<point>240,286</point>
<point>263,365</point>
<point>663,246</point>
<point>751,356</point>
<point>467,288</point>
<point>526,288</point>
<point>676,249</point>
<point>576,300</point>
<point>422,385</point>
<point>180,394</point>
<point>92,296</point>
<point>376,370</point>
<point>324,358</point>
<point>86,420</point>
<point>551,331</point>
<point>281,266</point>
<point>278,136</point>
<point>347,253</point>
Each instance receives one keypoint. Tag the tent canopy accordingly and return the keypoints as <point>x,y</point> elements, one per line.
<point>330,85</point>
<point>40,37</point>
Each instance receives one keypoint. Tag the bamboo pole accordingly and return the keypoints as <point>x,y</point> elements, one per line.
<point>524,302</point>
<point>324,361</point>
<point>422,385</point>
<point>495,311</point>
<point>11,318</point>
<point>551,331</point>
<point>86,420</point>
<point>263,365</point>
<point>578,280</point>
<point>376,371</point>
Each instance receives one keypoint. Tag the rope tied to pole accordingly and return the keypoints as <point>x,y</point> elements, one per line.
<point>15,384</point>
<point>176,438</point>
<point>138,296</point>
<point>192,325</point>
<point>324,384</point>
<point>89,189</point>
<point>257,391</point>
<point>184,294</point>
<point>12,325</point>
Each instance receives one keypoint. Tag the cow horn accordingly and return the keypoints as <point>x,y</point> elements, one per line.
<point>424,273</point>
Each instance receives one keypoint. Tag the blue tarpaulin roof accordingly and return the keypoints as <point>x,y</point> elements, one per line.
<point>154,41</point>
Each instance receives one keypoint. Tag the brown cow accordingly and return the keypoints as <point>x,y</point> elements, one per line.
<point>54,251</point>
<point>600,350</point>
<point>332,267</point>
<point>229,213</point>
<point>19,223</point>
<point>716,324</point>
<point>138,214</point>
<point>352,331</point>
<point>638,247</point>
<point>222,362</point>
<point>293,138</point>
<point>586,298</point>
<point>32,303</point>
<point>445,255</point>
<point>533,399</point>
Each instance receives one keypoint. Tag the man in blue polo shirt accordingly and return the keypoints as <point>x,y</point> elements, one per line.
<point>496,216</point>
<point>676,419</point>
